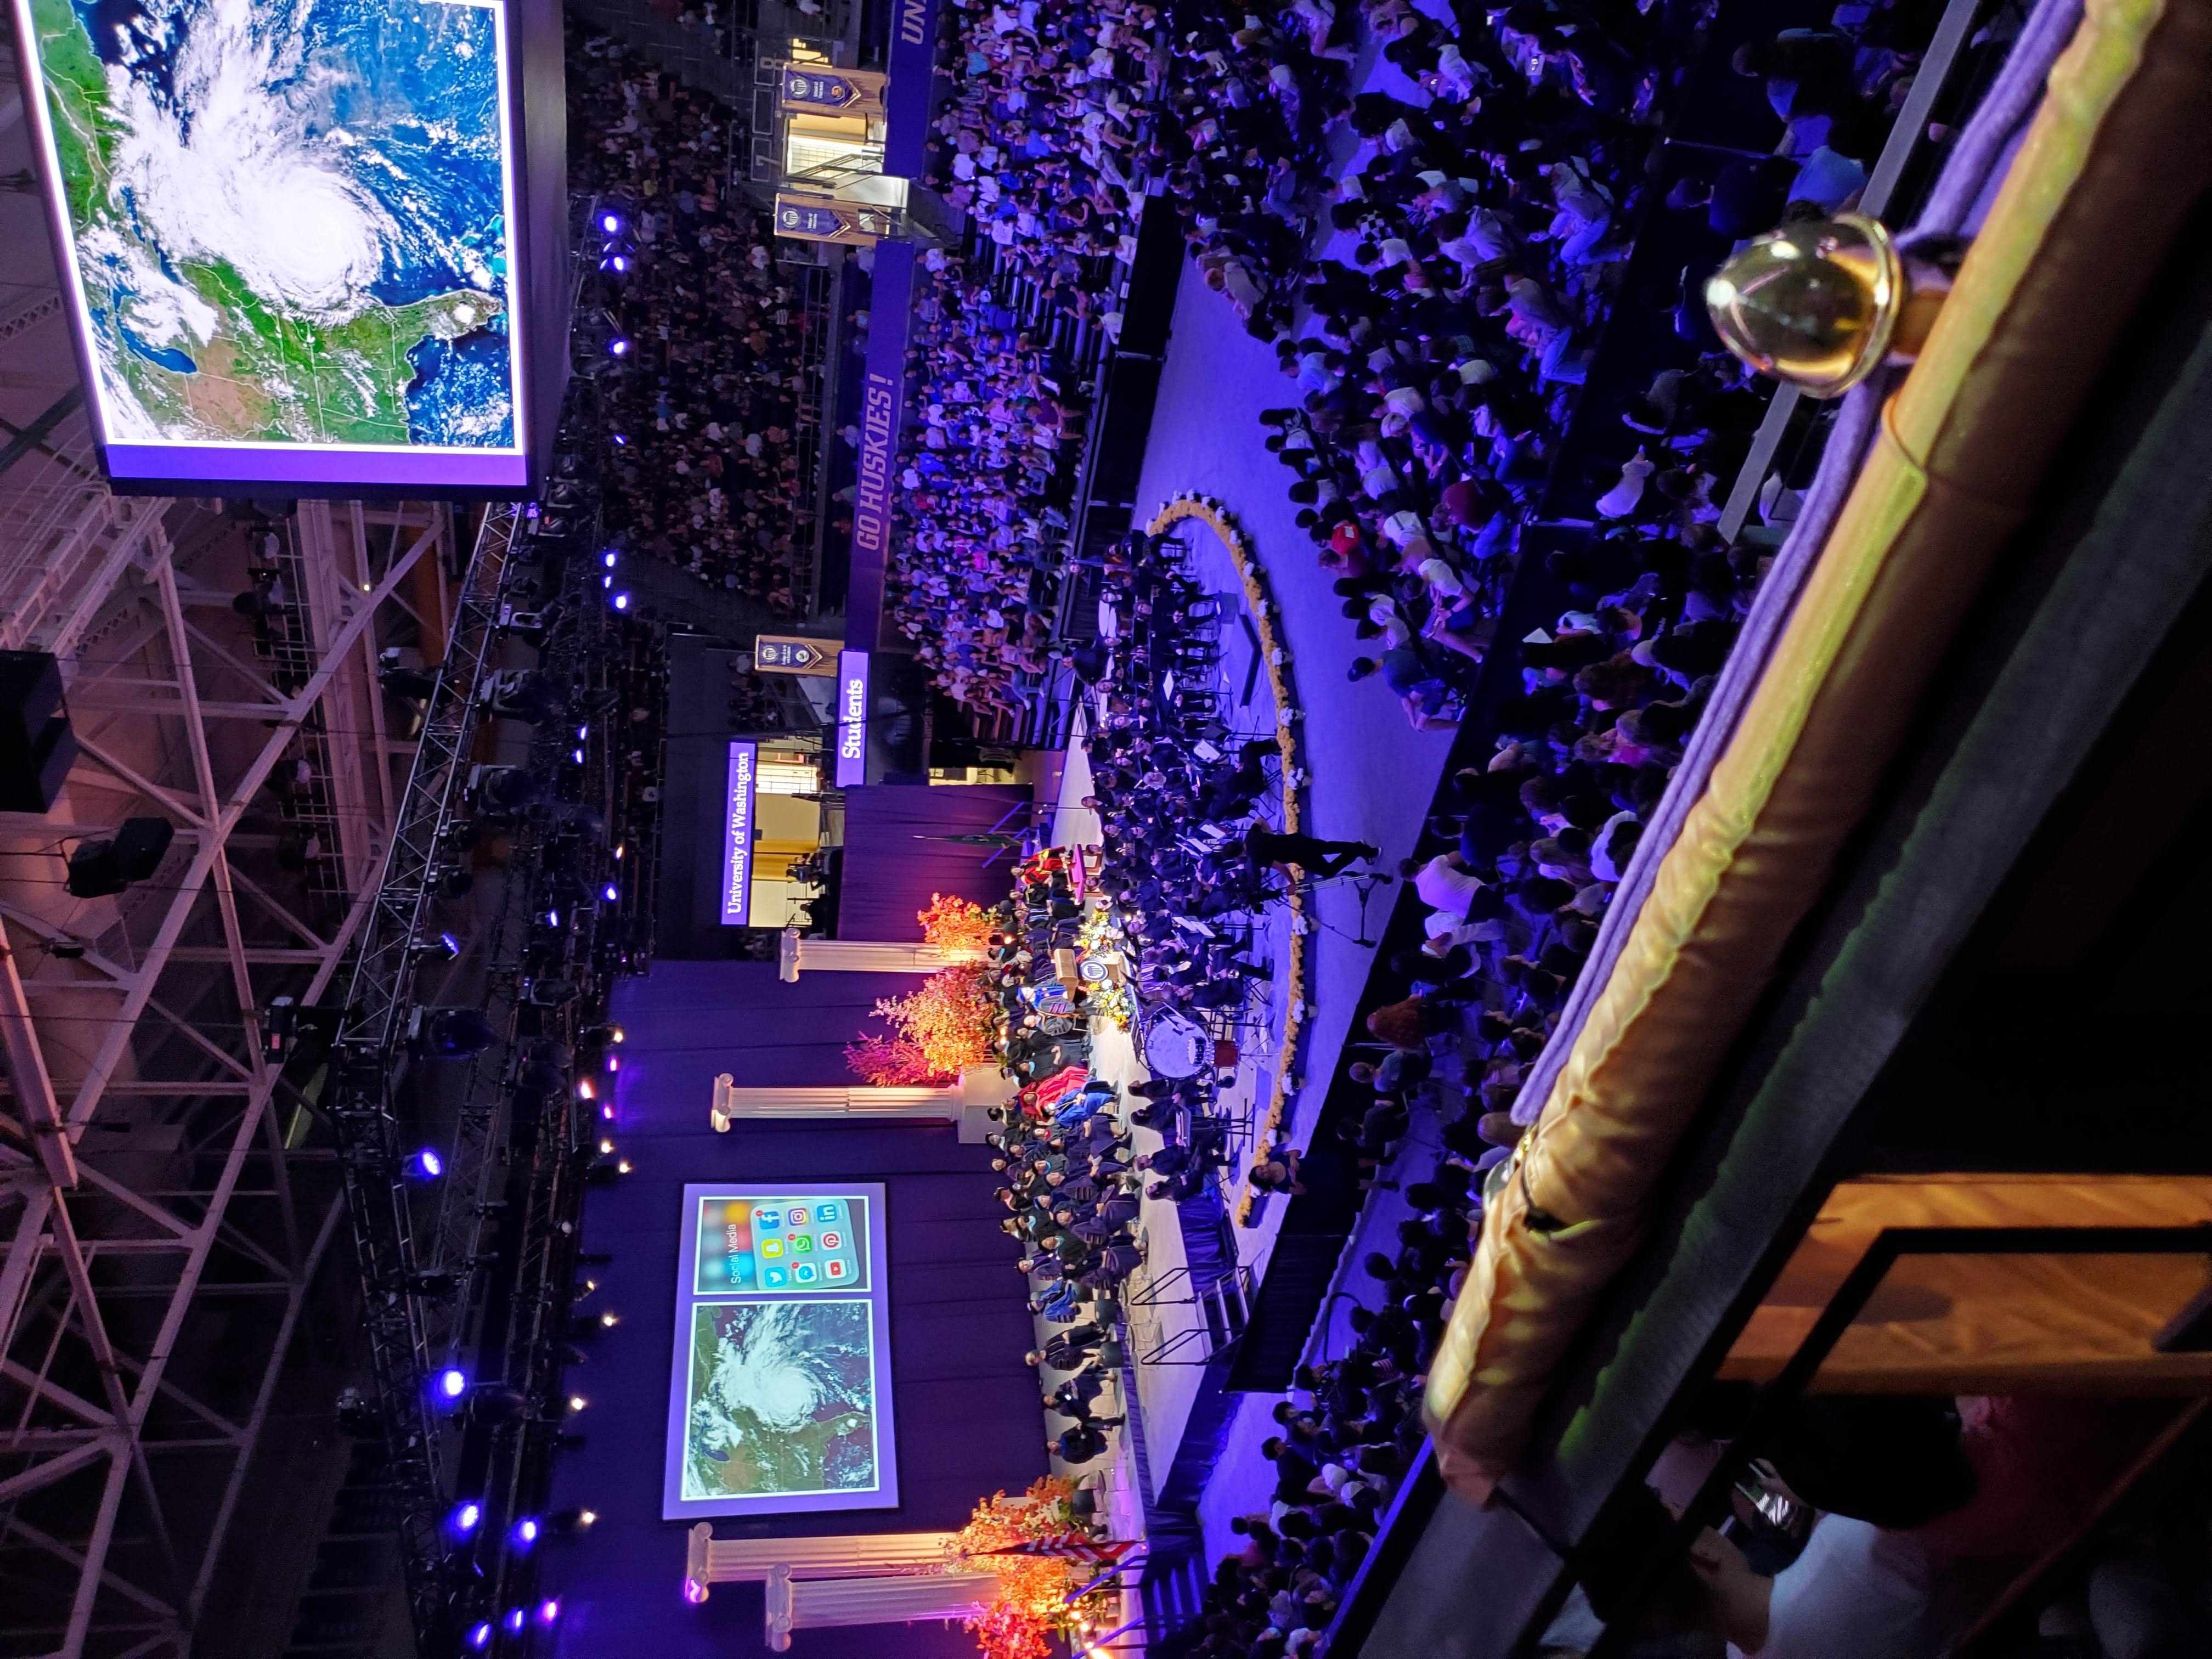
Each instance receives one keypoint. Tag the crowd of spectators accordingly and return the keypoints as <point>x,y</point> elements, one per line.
<point>702,386</point>
<point>1436,300</point>
<point>1346,1438</point>
<point>752,707</point>
<point>984,489</point>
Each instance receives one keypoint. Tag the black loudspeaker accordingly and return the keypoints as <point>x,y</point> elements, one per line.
<point>36,743</point>
<point>92,871</point>
<point>139,845</point>
<point>99,868</point>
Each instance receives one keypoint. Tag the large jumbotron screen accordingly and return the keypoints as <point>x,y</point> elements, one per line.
<point>781,1396</point>
<point>289,235</point>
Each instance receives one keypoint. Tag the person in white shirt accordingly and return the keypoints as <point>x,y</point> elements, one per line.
<point>1856,1591</point>
<point>1443,882</point>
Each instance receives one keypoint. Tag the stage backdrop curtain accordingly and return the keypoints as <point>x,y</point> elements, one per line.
<point>892,868</point>
<point>968,1419</point>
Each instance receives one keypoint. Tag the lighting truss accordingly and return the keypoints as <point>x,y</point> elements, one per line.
<point>146,1010</point>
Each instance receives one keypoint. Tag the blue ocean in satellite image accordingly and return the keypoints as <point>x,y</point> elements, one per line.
<point>781,1400</point>
<point>289,219</point>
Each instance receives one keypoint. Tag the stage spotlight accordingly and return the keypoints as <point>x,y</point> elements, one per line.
<point>606,1147</point>
<point>464,1519</point>
<point>451,1383</point>
<point>444,948</point>
<point>611,892</point>
<point>577,756</point>
<point>617,1033</point>
<point>608,558</point>
<point>514,1617</point>
<point>425,1165</point>
<point>617,348</point>
<point>619,264</point>
<point>614,1062</point>
<point>549,1610</point>
<point>525,1531</point>
<point>583,731</point>
<point>584,1089</point>
<point>480,1637</point>
<point>608,1112</point>
<point>618,853</point>
<point>607,583</point>
<point>622,601</point>
<point>576,1402</point>
<point>622,1168</point>
<point>608,1321</point>
<point>611,223</point>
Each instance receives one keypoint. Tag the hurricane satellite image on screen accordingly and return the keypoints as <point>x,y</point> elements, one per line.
<point>783,1399</point>
<point>289,219</point>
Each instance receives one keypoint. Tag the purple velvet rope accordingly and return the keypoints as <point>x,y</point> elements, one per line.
<point>2011,101</point>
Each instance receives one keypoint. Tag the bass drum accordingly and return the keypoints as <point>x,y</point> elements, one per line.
<point>1175,1045</point>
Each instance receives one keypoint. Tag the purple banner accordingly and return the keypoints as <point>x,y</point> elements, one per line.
<point>738,834</point>
<point>852,718</point>
<point>883,398</point>
<point>804,88</point>
<point>913,88</point>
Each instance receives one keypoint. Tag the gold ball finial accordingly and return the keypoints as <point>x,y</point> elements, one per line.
<point>1816,303</point>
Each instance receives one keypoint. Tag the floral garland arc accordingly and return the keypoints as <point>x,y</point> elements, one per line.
<point>1289,718</point>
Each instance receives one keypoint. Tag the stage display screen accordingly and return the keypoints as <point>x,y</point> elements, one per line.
<point>780,1400</point>
<point>288,236</point>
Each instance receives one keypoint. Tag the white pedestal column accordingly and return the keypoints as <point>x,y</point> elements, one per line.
<point>824,1602</point>
<point>966,1104</point>
<point>795,955</point>
<point>711,1560</point>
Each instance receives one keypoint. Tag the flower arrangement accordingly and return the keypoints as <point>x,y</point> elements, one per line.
<point>1031,1608</point>
<point>1275,657</point>
<point>960,927</point>
<point>942,1028</point>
